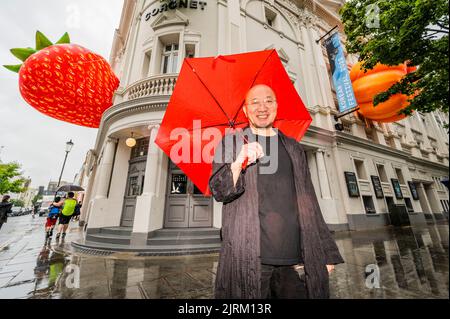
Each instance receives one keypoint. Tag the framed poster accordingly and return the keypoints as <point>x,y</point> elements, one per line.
<point>397,189</point>
<point>412,188</point>
<point>352,184</point>
<point>377,186</point>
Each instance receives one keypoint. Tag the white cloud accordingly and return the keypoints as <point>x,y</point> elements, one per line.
<point>33,139</point>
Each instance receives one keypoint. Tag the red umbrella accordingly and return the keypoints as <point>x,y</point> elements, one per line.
<point>209,94</point>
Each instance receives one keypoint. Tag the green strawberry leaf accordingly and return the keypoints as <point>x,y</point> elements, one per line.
<point>42,41</point>
<point>64,39</point>
<point>22,53</point>
<point>14,68</point>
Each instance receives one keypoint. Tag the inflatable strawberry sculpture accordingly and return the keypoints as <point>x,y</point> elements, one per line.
<point>65,81</point>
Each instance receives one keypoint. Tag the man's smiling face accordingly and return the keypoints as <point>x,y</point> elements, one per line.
<point>260,106</point>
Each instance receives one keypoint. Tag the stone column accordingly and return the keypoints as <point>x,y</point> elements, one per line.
<point>145,200</point>
<point>322,174</point>
<point>87,197</point>
<point>433,199</point>
<point>424,203</point>
<point>327,203</point>
<point>310,80</point>
<point>339,180</point>
<point>222,43</point>
<point>97,210</point>
<point>234,40</point>
<point>105,168</point>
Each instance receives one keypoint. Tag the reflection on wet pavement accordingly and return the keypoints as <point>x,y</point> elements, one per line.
<point>409,262</point>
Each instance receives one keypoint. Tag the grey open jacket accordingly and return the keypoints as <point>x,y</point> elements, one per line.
<point>238,271</point>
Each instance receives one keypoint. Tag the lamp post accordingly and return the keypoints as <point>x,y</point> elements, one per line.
<point>69,146</point>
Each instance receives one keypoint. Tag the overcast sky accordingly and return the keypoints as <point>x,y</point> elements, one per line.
<point>29,137</point>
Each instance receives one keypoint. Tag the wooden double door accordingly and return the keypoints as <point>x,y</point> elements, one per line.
<point>186,207</point>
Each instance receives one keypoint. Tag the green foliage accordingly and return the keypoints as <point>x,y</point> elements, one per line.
<point>18,203</point>
<point>35,199</point>
<point>11,179</point>
<point>412,31</point>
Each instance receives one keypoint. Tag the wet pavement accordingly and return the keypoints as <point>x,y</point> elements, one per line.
<point>387,263</point>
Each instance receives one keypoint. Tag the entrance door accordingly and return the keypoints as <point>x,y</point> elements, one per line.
<point>185,205</point>
<point>134,187</point>
<point>135,180</point>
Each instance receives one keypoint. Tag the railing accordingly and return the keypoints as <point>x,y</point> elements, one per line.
<point>153,86</point>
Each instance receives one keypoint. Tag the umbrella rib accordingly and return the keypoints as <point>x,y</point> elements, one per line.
<point>207,89</point>
<point>256,76</point>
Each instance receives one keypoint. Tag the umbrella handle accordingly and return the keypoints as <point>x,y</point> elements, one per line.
<point>244,164</point>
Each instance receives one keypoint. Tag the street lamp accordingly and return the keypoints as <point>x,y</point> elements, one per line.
<point>69,146</point>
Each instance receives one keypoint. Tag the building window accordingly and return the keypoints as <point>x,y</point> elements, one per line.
<point>360,170</point>
<point>141,148</point>
<point>438,183</point>
<point>368,205</point>
<point>146,65</point>
<point>347,127</point>
<point>189,50</point>
<point>169,61</point>
<point>409,205</point>
<point>369,134</point>
<point>445,205</point>
<point>382,173</point>
<point>271,17</point>
<point>399,173</point>
<point>133,186</point>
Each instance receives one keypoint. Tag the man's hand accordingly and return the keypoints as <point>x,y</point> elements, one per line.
<point>330,268</point>
<point>251,151</point>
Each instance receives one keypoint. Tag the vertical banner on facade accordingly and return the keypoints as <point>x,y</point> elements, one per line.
<point>339,71</point>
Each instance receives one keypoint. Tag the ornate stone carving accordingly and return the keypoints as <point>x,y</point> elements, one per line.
<point>291,6</point>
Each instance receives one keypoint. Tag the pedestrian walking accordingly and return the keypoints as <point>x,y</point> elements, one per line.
<point>53,213</point>
<point>66,214</point>
<point>5,209</point>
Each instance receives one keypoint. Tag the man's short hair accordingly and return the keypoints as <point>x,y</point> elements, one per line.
<point>70,194</point>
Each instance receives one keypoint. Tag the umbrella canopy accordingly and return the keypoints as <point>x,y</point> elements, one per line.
<point>210,93</point>
<point>70,188</point>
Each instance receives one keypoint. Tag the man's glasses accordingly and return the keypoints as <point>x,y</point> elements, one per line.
<point>269,102</point>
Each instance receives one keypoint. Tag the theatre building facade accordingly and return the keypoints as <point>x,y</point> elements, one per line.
<point>367,175</point>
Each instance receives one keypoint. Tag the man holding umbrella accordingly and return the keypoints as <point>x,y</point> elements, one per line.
<point>66,214</point>
<point>275,241</point>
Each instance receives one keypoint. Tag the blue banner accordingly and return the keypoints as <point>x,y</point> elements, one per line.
<point>339,71</point>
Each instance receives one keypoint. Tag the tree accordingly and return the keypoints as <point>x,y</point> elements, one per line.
<point>35,199</point>
<point>18,202</point>
<point>11,179</point>
<point>394,32</point>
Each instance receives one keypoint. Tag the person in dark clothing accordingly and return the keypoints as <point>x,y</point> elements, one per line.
<point>77,212</point>
<point>5,209</point>
<point>275,241</point>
